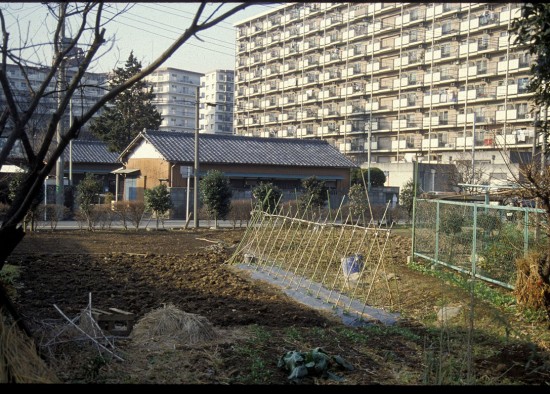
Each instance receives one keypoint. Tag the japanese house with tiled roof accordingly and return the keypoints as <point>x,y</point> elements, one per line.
<point>154,157</point>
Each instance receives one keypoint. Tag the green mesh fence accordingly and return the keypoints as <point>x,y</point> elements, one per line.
<point>477,239</point>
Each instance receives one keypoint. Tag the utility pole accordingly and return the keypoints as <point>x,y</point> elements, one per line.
<point>59,170</point>
<point>196,169</point>
<point>473,149</point>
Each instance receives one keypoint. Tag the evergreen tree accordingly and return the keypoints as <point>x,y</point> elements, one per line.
<point>268,196</point>
<point>358,200</point>
<point>407,196</point>
<point>158,200</point>
<point>87,195</point>
<point>129,113</point>
<point>377,176</point>
<point>314,195</point>
<point>216,194</point>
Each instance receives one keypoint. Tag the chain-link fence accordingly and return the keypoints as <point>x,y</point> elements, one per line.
<point>476,239</point>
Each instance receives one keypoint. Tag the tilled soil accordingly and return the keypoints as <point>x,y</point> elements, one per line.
<point>141,271</point>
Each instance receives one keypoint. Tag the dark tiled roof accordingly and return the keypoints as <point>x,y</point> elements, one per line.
<point>91,152</point>
<point>221,149</point>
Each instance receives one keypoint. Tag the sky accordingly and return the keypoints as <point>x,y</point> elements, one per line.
<point>147,29</point>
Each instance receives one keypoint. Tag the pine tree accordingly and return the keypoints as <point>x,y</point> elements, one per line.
<point>129,113</point>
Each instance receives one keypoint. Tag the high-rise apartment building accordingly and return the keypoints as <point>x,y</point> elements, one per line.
<point>176,98</point>
<point>389,82</point>
<point>94,85</point>
<point>216,98</point>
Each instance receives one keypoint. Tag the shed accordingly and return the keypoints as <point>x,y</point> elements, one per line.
<point>154,157</point>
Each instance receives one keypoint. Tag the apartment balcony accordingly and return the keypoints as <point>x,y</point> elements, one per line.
<point>373,145</point>
<point>372,106</point>
<point>472,48</point>
<point>372,47</point>
<point>302,115</point>
<point>326,130</point>
<point>442,98</point>
<point>400,104</point>
<point>284,133</point>
<point>274,38</point>
<point>351,110</point>
<point>472,71</point>
<point>465,118</point>
<point>399,124</point>
<point>400,144</point>
<point>440,9</point>
<point>309,95</point>
<point>353,89</point>
<point>428,121</point>
<point>251,122</point>
<point>469,25</point>
<point>372,67</point>
<point>304,132</point>
<point>430,143</point>
<point>271,102</point>
<point>404,82</point>
<point>323,112</point>
<point>509,139</point>
<point>434,54</point>
<point>290,83</point>
<point>308,62</point>
<point>344,147</point>
<point>432,77</point>
<point>351,71</point>
<point>358,31</point>
<point>506,16</point>
<point>511,65</point>
<point>304,29</point>
<point>331,75</point>
<point>503,115</point>
<point>328,94</point>
<point>507,90</point>
<point>271,118</point>
<point>462,142</point>
<point>467,95</point>
<point>354,51</point>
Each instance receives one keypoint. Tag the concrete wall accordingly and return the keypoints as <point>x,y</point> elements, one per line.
<point>432,177</point>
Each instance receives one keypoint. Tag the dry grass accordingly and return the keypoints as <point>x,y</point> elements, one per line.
<point>20,362</point>
<point>168,326</point>
<point>530,287</point>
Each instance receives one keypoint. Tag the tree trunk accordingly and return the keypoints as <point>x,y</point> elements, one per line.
<point>10,236</point>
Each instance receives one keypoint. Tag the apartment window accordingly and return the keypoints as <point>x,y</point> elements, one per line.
<point>522,85</point>
<point>522,110</point>
<point>481,66</point>
<point>445,50</point>
<point>446,27</point>
<point>483,42</point>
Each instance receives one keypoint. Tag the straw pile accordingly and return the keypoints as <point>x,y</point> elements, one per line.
<point>531,289</point>
<point>19,362</point>
<point>168,326</point>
